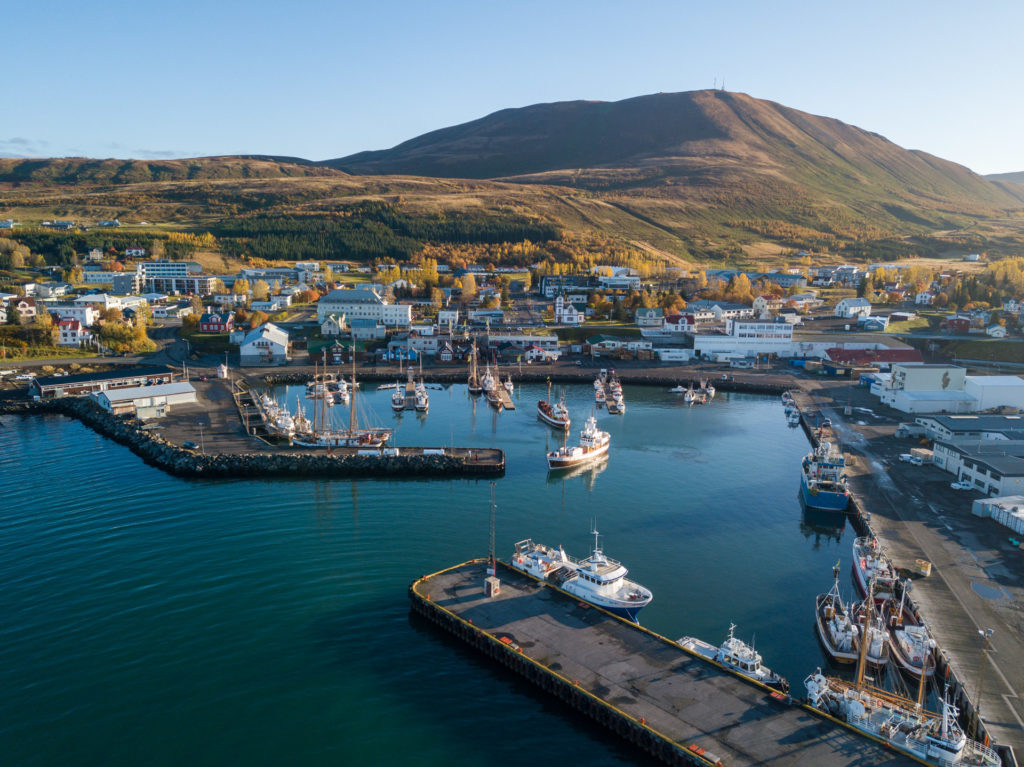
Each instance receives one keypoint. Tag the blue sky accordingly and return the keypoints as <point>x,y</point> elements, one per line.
<point>326,79</point>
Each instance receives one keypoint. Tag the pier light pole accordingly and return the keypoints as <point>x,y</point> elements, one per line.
<point>987,636</point>
<point>202,443</point>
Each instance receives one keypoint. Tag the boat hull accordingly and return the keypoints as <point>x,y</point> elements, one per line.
<point>552,422</point>
<point>557,463</point>
<point>826,500</point>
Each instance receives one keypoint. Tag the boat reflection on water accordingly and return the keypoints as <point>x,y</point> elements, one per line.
<point>589,470</point>
<point>820,524</point>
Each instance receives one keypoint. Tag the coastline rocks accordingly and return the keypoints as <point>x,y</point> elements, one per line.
<point>158,452</point>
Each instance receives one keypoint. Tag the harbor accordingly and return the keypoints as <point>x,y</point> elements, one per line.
<point>672,703</point>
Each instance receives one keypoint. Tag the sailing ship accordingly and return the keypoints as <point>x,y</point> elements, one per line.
<point>904,724</point>
<point>823,479</point>
<point>737,655</point>
<point>870,564</point>
<point>322,436</point>
<point>473,381</point>
<point>597,579</point>
<point>554,414</point>
<point>593,444</point>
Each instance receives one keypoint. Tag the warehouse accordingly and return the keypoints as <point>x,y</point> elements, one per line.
<point>87,383</point>
<point>146,401</point>
<point>995,467</point>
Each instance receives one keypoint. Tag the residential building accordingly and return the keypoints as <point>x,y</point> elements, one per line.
<point>849,308</point>
<point>995,331</point>
<point>217,322</point>
<point>957,324</point>
<point>651,317</point>
<point>448,318</point>
<point>364,304</point>
<point>263,346</point>
<point>334,324</point>
<point>567,313</point>
<point>534,353</point>
<point>924,298</point>
<point>146,401</point>
<point>23,306</point>
<point>53,289</point>
<point>367,330</point>
<point>552,285</point>
<point>173,311</point>
<point>273,304</point>
<point>721,310</point>
<point>84,313</point>
<point>618,282</point>
<point>86,383</point>
<point>135,252</point>
<point>603,343</point>
<point>71,333</point>
<point>767,303</point>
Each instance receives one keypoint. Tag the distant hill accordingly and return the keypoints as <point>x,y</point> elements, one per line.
<point>1015,178</point>
<point>699,137</point>
<point>81,170</point>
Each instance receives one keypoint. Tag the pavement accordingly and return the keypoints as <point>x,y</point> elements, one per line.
<point>977,580</point>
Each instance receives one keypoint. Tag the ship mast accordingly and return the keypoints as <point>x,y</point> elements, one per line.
<point>316,406</point>
<point>492,566</point>
<point>869,614</point>
<point>923,683</point>
<point>352,406</point>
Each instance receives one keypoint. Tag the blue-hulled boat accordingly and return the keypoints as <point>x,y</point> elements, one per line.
<point>823,479</point>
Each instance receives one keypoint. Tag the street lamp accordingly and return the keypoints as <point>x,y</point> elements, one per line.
<point>987,636</point>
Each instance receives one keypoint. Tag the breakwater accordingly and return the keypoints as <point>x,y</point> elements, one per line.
<point>178,461</point>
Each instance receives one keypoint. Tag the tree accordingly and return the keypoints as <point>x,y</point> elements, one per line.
<point>197,305</point>
<point>111,315</point>
<point>217,286</point>
<point>260,290</point>
<point>468,286</point>
<point>256,319</point>
<point>241,287</point>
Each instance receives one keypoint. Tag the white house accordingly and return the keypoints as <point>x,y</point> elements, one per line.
<point>535,354</point>
<point>265,345</point>
<point>767,303</point>
<point>853,307</point>
<point>567,313</point>
<point>334,325</point>
<point>448,318</point>
<point>85,314</point>
<point>272,304</point>
<point>364,304</point>
<point>746,338</point>
<point>71,333</point>
<point>924,298</point>
<point>996,331</point>
<point>648,318</point>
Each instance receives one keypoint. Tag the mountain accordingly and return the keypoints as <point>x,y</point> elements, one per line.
<point>1013,178</point>
<point>81,170</point>
<point>703,138</point>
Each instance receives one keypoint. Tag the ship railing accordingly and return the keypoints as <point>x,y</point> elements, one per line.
<point>977,753</point>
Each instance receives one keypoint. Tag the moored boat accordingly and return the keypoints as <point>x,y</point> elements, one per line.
<point>398,399</point>
<point>737,655</point>
<point>870,564</point>
<point>823,479</point>
<point>554,414</point>
<point>593,444</point>
<point>836,630</point>
<point>597,579</point>
<point>911,645</point>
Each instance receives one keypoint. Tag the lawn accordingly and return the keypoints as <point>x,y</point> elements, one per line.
<point>909,326</point>
<point>991,350</point>
<point>47,354</point>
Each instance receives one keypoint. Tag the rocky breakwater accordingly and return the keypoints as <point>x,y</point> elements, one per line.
<point>173,459</point>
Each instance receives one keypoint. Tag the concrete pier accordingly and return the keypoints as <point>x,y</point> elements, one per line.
<point>675,705</point>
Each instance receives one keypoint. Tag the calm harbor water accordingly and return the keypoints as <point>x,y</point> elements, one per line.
<point>151,620</point>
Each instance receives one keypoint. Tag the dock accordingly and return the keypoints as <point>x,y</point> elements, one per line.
<point>505,398</point>
<point>677,706</point>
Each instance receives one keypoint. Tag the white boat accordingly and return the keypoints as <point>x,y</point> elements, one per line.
<point>936,739</point>
<point>869,563</point>
<point>739,656</point>
<point>793,419</point>
<point>554,414</point>
<point>398,400</point>
<point>617,407</point>
<point>487,382</point>
<point>678,389</point>
<point>509,386</point>
<point>690,396</point>
<point>911,645</point>
<point>422,399</point>
<point>709,390</point>
<point>878,638</point>
<point>597,579</point>
<point>835,628</point>
<point>598,383</point>
<point>593,444</point>
<point>599,397</point>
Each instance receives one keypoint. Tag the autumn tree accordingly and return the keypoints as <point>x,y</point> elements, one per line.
<point>468,286</point>
<point>260,290</point>
<point>256,319</point>
<point>241,287</point>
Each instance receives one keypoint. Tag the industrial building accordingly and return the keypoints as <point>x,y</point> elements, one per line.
<point>995,467</point>
<point>948,389</point>
<point>49,387</point>
<point>146,401</point>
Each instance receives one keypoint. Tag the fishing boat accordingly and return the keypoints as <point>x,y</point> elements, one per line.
<point>836,630</point>
<point>690,396</point>
<point>823,479</point>
<point>593,444</point>
<point>617,407</point>
<point>554,414</point>
<point>398,399</point>
<point>870,564</point>
<point>509,386</point>
<point>736,654</point>
<point>793,419</point>
<point>911,645</point>
<point>597,579</point>
<point>878,637</point>
<point>473,382</point>
<point>598,383</point>
<point>599,397</point>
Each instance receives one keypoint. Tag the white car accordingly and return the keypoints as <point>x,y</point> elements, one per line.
<point>25,377</point>
<point>962,485</point>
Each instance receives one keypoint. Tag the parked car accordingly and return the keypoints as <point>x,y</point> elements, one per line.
<point>962,485</point>
<point>827,423</point>
<point>190,445</point>
<point>25,377</point>
<point>915,461</point>
<point>906,457</point>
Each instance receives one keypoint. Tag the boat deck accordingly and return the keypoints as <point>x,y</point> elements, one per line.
<point>679,707</point>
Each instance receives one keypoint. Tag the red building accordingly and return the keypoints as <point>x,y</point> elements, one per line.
<point>217,322</point>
